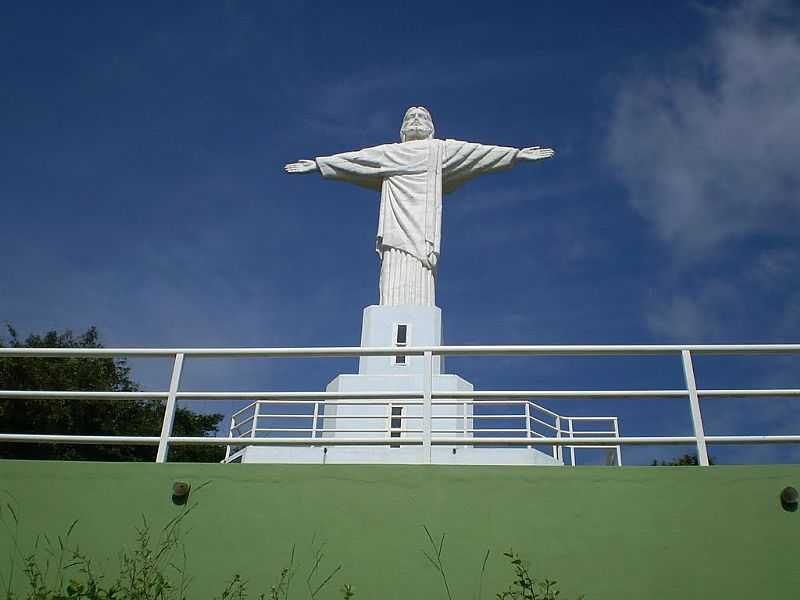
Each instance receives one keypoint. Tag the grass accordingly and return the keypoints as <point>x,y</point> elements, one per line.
<point>156,569</point>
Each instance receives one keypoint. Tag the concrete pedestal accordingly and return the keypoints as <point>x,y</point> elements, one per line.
<point>423,327</point>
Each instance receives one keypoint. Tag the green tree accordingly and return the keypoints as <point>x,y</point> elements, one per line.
<point>687,460</point>
<point>102,416</point>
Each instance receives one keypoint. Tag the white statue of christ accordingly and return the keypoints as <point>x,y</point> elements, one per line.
<point>412,176</point>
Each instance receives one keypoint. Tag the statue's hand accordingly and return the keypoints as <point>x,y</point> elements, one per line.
<point>301,166</point>
<point>535,153</point>
<point>433,257</point>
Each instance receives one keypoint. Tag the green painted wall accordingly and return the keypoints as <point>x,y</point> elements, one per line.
<point>610,533</point>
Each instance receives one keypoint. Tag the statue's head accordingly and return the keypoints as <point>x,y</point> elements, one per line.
<point>417,124</point>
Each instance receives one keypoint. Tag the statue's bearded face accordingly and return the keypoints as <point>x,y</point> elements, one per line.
<point>417,124</point>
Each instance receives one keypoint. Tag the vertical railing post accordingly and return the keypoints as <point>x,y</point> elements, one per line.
<point>254,426</point>
<point>558,451</point>
<point>571,436</point>
<point>528,420</point>
<point>233,428</point>
<point>694,403</point>
<point>427,407</point>
<point>169,411</point>
<point>618,447</point>
<point>316,416</point>
<point>466,421</point>
<point>230,434</point>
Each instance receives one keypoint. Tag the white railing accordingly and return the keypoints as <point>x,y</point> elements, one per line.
<point>307,418</point>
<point>426,395</point>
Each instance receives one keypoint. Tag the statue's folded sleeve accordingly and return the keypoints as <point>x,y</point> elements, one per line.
<point>466,160</point>
<point>366,168</point>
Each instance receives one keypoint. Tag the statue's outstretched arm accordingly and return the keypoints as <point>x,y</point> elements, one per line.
<point>301,166</point>
<point>535,153</point>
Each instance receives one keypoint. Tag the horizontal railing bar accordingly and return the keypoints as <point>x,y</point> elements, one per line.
<point>206,441</point>
<point>609,349</point>
<point>753,439</point>
<point>384,417</point>
<point>344,402</point>
<point>600,349</point>
<point>588,418</point>
<point>494,430</point>
<point>306,416</point>
<point>319,351</point>
<point>512,416</point>
<point>447,400</point>
<point>297,429</point>
<point>320,429</point>
<point>601,442</point>
<point>341,402</point>
<point>521,441</point>
<point>45,394</point>
<point>32,394</point>
<point>470,416</point>
<point>468,441</point>
<point>88,352</point>
<point>35,438</point>
<point>240,423</point>
<point>383,397</point>
<point>441,402</point>
<point>469,402</point>
<point>270,396</point>
<point>746,393</point>
<point>452,431</point>
<point>594,447</point>
<point>563,394</point>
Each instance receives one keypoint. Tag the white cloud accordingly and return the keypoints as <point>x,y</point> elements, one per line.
<point>368,103</point>
<point>695,316</point>
<point>758,297</point>
<point>710,151</point>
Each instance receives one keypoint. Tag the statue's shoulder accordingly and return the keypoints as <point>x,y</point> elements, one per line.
<point>388,146</point>
<point>411,143</point>
<point>438,142</point>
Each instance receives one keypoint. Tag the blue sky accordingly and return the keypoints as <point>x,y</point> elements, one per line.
<point>141,186</point>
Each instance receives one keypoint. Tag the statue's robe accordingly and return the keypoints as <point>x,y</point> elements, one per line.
<point>412,176</point>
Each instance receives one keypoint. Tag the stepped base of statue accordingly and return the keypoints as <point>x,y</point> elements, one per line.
<point>362,420</point>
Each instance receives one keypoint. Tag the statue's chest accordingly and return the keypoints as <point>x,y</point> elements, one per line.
<point>410,189</point>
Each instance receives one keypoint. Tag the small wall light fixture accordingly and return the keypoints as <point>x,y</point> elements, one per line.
<point>180,492</point>
<point>789,498</point>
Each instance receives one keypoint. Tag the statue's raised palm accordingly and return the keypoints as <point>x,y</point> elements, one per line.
<point>535,153</point>
<point>301,166</point>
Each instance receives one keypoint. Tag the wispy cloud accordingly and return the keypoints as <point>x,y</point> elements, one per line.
<point>709,151</point>
<point>753,293</point>
<point>693,315</point>
<point>369,102</point>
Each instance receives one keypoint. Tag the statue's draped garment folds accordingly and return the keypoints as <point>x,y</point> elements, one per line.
<point>412,176</point>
